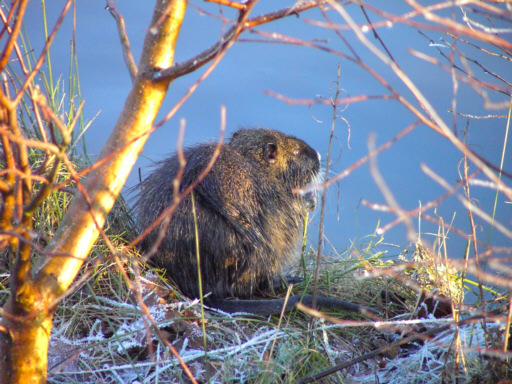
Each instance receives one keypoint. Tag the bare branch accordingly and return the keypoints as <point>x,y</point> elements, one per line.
<point>220,54</point>
<point>435,121</point>
<point>123,38</point>
<point>334,106</point>
<point>460,29</point>
<point>231,35</point>
<point>13,34</point>
<point>324,101</point>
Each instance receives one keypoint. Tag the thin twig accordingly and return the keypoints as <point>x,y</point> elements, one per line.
<point>13,34</point>
<point>375,34</point>
<point>364,159</point>
<point>7,20</point>
<point>424,207</point>
<point>324,190</point>
<point>219,55</point>
<point>474,117</point>
<point>466,201</point>
<point>386,191</point>
<point>123,38</point>
<point>323,101</point>
<point>170,210</point>
<point>232,4</point>
<point>47,44</point>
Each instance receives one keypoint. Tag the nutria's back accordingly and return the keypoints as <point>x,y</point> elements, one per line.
<point>248,217</point>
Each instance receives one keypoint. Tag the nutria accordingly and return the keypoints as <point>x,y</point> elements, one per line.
<point>248,213</point>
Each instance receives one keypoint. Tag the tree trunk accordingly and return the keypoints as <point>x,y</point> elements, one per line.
<point>27,316</point>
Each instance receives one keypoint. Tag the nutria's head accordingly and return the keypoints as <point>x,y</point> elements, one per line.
<point>286,157</point>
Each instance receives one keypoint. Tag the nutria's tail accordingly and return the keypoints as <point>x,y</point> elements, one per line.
<point>274,307</point>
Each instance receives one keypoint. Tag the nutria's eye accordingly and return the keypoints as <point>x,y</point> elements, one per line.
<point>296,152</point>
<point>270,153</point>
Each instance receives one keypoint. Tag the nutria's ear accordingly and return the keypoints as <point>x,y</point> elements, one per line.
<point>270,153</point>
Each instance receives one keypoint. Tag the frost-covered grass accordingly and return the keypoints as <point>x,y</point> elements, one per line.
<point>434,362</point>
<point>101,333</point>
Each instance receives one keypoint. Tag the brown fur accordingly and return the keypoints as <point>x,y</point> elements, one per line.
<point>249,220</point>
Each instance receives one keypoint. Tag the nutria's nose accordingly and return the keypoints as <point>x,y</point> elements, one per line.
<point>319,156</point>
